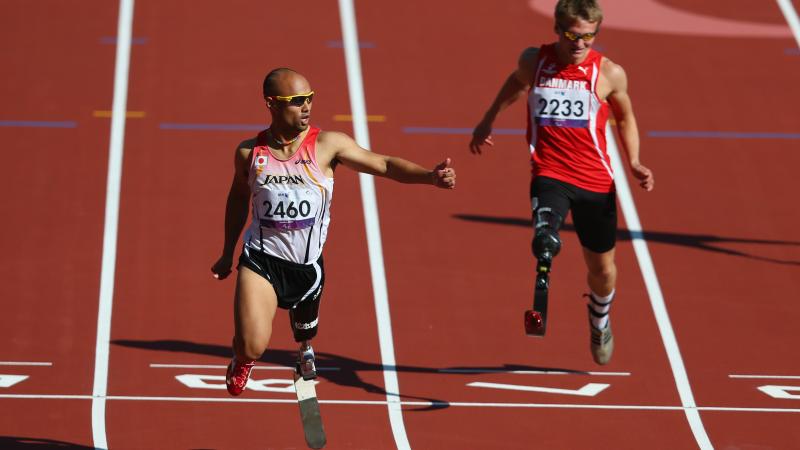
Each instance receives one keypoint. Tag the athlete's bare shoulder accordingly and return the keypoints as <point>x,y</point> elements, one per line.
<point>333,141</point>
<point>529,58</point>
<point>329,145</point>
<point>612,71</point>
<point>526,65</point>
<point>243,152</point>
<point>333,137</point>
<point>247,144</point>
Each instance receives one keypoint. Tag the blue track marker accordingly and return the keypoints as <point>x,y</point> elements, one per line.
<point>38,124</point>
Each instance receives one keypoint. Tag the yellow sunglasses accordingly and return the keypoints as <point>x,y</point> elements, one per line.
<point>586,37</point>
<point>296,100</point>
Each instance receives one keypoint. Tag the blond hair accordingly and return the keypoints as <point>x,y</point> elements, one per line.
<point>568,11</point>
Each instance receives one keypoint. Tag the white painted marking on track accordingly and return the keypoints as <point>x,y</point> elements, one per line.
<point>787,8</point>
<point>588,390</point>
<point>227,399</point>
<point>782,392</point>
<point>217,382</point>
<point>224,367</point>
<point>24,363</point>
<point>656,297</point>
<point>360,129</point>
<point>767,377</point>
<point>6,381</point>
<point>108,265</point>
<point>536,372</point>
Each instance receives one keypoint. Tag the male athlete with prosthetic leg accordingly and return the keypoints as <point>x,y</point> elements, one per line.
<point>570,89</point>
<point>286,175</point>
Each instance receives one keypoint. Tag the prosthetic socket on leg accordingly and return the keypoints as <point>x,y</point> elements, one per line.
<point>546,242</point>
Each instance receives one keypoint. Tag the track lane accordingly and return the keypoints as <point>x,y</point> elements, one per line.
<point>708,104</point>
<point>723,239</point>
<point>53,176</point>
<point>204,66</point>
<point>448,319</point>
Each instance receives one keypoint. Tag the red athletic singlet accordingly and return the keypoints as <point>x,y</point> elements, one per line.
<point>566,123</point>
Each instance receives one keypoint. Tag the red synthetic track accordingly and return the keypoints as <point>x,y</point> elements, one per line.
<point>721,228</point>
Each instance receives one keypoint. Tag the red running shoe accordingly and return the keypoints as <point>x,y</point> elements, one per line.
<point>238,374</point>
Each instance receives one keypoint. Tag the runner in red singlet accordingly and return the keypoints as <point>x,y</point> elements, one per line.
<point>570,89</point>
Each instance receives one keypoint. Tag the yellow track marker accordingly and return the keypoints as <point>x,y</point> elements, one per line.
<point>128,114</point>
<point>349,118</point>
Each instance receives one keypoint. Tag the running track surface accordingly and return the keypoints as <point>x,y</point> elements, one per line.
<point>720,230</point>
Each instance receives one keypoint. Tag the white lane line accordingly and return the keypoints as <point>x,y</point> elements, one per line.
<point>767,377</point>
<point>656,297</point>
<point>404,403</point>
<point>108,267</point>
<point>791,18</point>
<point>536,372</point>
<point>224,367</point>
<point>24,363</point>
<point>358,111</point>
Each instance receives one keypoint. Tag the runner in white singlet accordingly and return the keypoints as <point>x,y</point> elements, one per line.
<point>285,176</point>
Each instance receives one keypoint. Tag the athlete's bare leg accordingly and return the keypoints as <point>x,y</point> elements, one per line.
<point>254,307</point>
<point>602,277</point>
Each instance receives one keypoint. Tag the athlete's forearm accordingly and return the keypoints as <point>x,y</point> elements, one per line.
<point>236,209</point>
<point>404,171</point>
<point>629,138</point>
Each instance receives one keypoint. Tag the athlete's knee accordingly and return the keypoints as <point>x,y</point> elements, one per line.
<point>546,241</point>
<point>605,272</point>
<point>250,347</point>
<point>601,266</point>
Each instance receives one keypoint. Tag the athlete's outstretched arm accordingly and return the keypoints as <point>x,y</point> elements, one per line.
<point>236,209</point>
<point>622,107</point>
<point>515,87</point>
<point>347,152</point>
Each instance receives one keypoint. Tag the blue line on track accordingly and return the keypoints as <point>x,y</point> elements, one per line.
<point>112,40</point>
<point>212,126</point>
<point>792,51</point>
<point>38,124</point>
<point>444,130</point>
<point>721,135</point>
<point>340,44</point>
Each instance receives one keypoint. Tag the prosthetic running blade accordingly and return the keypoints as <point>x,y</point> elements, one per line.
<point>536,318</point>
<point>309,411</point>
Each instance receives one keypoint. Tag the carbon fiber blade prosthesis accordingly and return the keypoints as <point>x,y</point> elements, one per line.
<point>309,412</point>
<point>536,318</point>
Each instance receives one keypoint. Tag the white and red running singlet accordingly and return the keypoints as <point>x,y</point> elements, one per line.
<point>291,202</point>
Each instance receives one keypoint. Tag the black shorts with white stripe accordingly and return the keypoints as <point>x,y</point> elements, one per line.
<point>293,283</point>
<point>298,287</point>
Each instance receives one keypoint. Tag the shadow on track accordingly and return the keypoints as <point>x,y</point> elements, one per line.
<point>698,241</point>
<point>28,443</point>
<point>348,368</point>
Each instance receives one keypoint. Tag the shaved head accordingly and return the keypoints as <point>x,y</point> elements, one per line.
<point>288,118</point>
<point>283,81</point>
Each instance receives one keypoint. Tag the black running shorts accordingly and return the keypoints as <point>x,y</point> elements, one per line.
<point>593,213</point>
<point>298,287</point>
